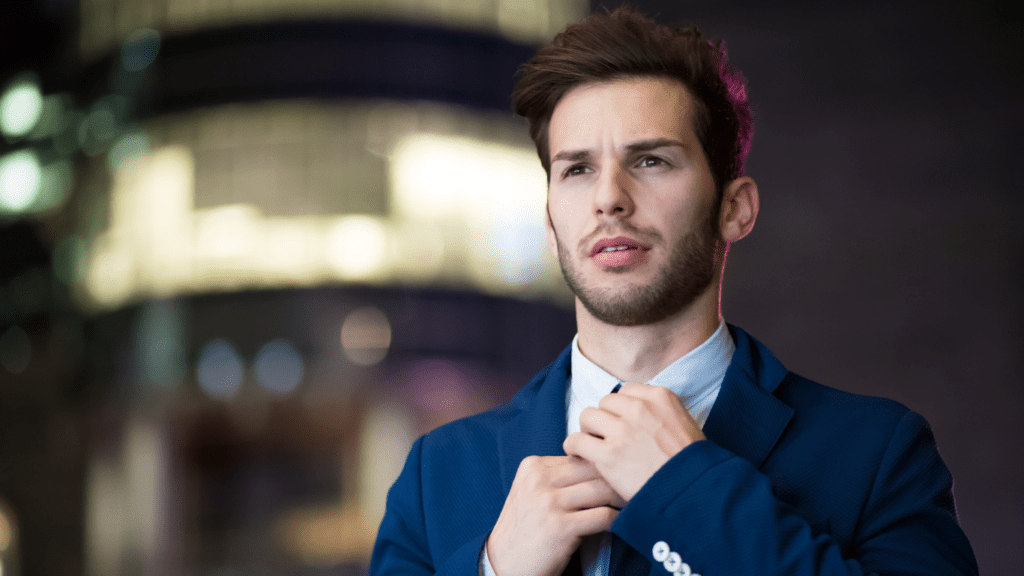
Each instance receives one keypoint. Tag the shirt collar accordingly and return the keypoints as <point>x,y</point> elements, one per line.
<point>692,377</point>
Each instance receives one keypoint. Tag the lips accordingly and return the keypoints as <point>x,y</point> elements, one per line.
<point>619,243</point>
<point>618,254</point>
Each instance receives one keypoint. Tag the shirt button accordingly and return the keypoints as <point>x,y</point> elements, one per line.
<point>673,562</point>
<point>661,551</point>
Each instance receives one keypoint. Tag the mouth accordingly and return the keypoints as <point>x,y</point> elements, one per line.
<point>617,244</point>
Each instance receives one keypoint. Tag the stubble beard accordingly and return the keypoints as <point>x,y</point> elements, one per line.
<point>688,273</point>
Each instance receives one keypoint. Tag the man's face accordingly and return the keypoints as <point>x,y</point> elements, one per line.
<point>632,203</point>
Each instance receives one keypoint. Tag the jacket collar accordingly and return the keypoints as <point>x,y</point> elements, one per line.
<point>746,419</point>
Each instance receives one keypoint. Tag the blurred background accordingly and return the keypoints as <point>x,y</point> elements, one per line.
<point>251,249</point>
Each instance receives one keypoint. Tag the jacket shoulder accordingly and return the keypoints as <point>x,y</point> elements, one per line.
<point>810,398</point>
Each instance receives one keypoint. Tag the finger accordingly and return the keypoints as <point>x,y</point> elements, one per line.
<point>569,470</point>
<point>597,422</point>
<point>585,446</point>
<point>648,392</point>
<point>591,520</point>
<point>589,494</point>
<point>622,405</point>
<point>641,402</point>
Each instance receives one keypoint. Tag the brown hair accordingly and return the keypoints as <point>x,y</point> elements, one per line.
<point>625,43</point>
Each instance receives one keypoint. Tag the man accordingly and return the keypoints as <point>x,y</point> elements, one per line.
<point>663,441</point>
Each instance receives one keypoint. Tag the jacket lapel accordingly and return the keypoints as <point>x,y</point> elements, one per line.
<point>747,419</point>
<point>539,426</point>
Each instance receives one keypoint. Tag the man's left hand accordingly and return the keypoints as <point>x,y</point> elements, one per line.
<point>631,434</point>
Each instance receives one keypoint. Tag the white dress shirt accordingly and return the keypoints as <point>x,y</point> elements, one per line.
<point>696,378</point>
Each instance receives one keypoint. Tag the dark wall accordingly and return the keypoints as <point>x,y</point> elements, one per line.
<point>887,256</point>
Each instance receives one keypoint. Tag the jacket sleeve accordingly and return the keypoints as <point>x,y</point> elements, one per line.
<point>718,513</point>
<point>403,547</point>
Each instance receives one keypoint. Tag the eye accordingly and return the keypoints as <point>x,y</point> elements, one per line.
<point>575,170</point>
<point>650,161</point>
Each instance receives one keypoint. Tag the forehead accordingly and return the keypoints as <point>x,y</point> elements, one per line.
<point>621,111</point>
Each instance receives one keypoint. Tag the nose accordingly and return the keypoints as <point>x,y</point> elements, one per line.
<point>613,196</point>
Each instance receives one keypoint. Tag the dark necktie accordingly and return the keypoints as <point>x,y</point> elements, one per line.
<point>626,561</point>
<point>575,567</point>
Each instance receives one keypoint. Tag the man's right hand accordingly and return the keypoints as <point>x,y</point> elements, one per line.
<point>554,502</point>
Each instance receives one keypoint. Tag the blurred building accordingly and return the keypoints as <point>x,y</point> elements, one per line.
<point>280,239</point>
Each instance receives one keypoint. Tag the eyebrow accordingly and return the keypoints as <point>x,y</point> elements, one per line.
<point>648,145</point>
<point>632,148</point>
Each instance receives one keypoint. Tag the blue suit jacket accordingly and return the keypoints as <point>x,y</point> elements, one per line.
<point>795,478</point>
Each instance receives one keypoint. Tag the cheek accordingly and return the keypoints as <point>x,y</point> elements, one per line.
<point>700,213</point>
<point>686,204</point>
<point>567,217</point>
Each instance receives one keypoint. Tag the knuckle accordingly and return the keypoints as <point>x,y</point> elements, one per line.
<point>529,473</point>
<point>529,463</point>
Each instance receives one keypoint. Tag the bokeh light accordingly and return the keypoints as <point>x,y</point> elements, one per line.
<point>140,49</point>
<point>183,218</point>
<point>15,350</point>
<point>55,181</point>
<point>110,276</point>
<point>53,116</point>
<point>127,151</point>
<point>220,369</point>
<point>102,124</point>
<point>228,233</point>
<point>366,336</point>
<point>439,177</point>
<point>20,106</point>
<point>357,246</point>
<point>279,367</point>
<point>20,175</point>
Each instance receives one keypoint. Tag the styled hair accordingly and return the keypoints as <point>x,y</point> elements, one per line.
<point>624,44</point>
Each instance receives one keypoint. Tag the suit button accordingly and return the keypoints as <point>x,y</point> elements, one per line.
<point>673,562</point>
<point>683,570</point>
<point>661,551</point>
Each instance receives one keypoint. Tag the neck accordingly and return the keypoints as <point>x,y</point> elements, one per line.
<point>639,353</point>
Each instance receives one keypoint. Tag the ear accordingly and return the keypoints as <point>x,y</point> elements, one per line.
<point>739,209</point>
<point>552,238</point>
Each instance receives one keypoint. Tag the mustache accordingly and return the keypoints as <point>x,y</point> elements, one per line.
<point>621,228</point>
